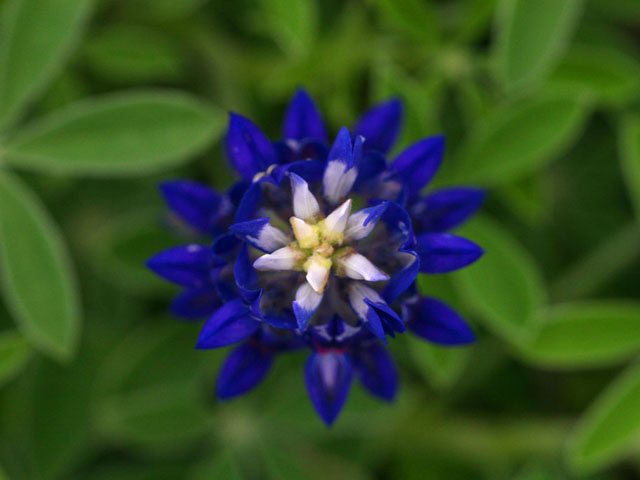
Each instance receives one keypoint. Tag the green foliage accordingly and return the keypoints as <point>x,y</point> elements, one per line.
<point>536,98</point>
<point>37,36</point>
<point>37,279</point>
<point>102,136</point>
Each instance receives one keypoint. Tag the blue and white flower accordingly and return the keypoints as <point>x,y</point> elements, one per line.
<point>318,246</point>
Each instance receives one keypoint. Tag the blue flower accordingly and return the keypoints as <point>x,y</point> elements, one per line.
<point>318,247</point>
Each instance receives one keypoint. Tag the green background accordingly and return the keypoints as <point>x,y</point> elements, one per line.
<point>540,103</point>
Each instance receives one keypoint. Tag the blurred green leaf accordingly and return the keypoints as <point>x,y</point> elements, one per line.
<point>158,416</point>
<point>414,18</point>
<point>291,23</point>
<point>133,54</point>
<point>160,10</point>
<point>606,74</point>
<point>37,37</point>
<point>609,429</point>
<point>156,471</point>
<point>532,35</point>
<point>629,147</point>
<point>519,139</point>
<point>14,354</point>
<point>504,286</point>
<point>441,366</point>
<point>223,467</point>
<point>37,280</point>
<point>621,10</point>
<point>585,334</point>
<point>119,134</point>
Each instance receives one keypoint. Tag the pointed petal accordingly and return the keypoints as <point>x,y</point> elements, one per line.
<point>435,321</point>
<point>446,209</point>
<point>305,205</point>
<point>336,221</point>
<point>305,305</point>
<point>380,125</point>
<point>358,296</point>
<point>318,269</point>
<point>362,223</point>
<point>443,252</point>
<point>370,164</point>
<point>418,163</point>
<point>249,203</point>
<point>229,324</point>
<point>338,181</point>
<point>376,371</point>
<point>189,265</point>
<point>196,204</point>
<point>303,119</point>
<point>243,369</point>
<point>261,234</point>
<point>245,276</point>
<point>249,150</point>
<point>358,267</point>
<point>328,379</point>
<point>196,303</point>
<point>284,258</point>
<point>306,235</point>
<point>342,149</point>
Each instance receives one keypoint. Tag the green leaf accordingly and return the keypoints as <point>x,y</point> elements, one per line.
<point>37,37</point>
<point>160,10</point>
<point>291,23</point>
<point>14,354</point>
<point>608,75</point>
<point>223,466</point>
<point>441,366</point>
<point>532,35</point>
<point>133,54</point>
<point>415,18</point>
<point>585,334</point>
<point>629,147</point>
<point>505,286</point>
<point>158,416</point>
<point>120,134</point>
<point>37,280</point>
<point>520,139</point>
<point>609,429</point>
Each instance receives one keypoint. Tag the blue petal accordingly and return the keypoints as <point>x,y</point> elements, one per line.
<point>246,276</point>
<point>375,369</point>
<point>387,315</point>
<point>328,378</point>
<point>224,244</point>
<point>342,149</point>
<point>196,303</point>
<point>188,265</point>
<point>244,368</point>
<point>380,125</point>
<point>249,202</point>
<point>229,324</point>
<point>435,321</point>
<point>443,252</point>
<point>418,163</point>
<point>196,204</point>
<point>249,150</point>
<point>310,170</point>
<point>302,119</point>
<point>445,209</point>
<point>370,165</point>
<point>260,234</point>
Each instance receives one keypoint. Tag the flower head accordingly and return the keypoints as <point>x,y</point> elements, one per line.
<point>319,247</point>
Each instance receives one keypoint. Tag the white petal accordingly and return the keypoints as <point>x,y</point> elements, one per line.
<point>356,230</point>
<point>305,205</point>
<point>270,238</point>
<point>337,181</point>
<point>282,259</point>
<point>307,298</point>
<point>306,235</point>
<point>358,267</point>
<point>357,293</point>
<point>336,222</point>
<point>318,269</point>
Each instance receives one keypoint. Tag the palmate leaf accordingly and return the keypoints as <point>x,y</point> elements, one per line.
<point>36,37</point>
<point>130,133</point>
<point>37,281</point>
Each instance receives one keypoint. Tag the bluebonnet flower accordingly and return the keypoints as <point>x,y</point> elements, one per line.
<point>318,247</point>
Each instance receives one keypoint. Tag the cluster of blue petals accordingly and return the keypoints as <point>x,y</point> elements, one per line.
<point>249,281</point>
